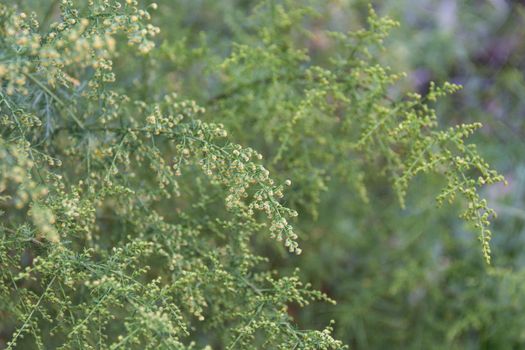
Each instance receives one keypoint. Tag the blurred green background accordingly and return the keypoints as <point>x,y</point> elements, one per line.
<point>403,279</point>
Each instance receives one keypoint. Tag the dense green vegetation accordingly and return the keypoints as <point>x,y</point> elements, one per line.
<point>254,175</point>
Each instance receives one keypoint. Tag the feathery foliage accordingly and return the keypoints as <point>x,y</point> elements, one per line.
<point>133,217</point>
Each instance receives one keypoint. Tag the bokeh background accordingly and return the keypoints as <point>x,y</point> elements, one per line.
<point>407,278</point>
